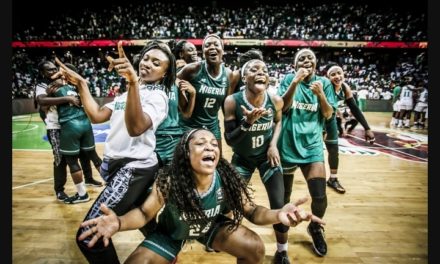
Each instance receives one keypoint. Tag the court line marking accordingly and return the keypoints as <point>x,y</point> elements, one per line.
<point>28,129</point>
<point>32,183</point>
<point>392,149</point>
<point>34,149</point>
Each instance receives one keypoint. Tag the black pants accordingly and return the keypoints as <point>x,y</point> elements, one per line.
<point>60,164</point>
<point>126,188</point>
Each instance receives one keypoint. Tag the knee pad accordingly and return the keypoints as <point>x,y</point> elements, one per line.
<point>319,197</point>
<point>72,162</point>
<point>281,228</point>
<point>288,182</point>
<point>333,156</point>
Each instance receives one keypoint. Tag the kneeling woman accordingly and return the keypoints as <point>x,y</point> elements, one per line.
<point>203,198</point>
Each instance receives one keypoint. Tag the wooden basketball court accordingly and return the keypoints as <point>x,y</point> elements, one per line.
<point>382,218</point>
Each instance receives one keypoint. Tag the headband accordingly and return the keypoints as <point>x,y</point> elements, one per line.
<point>334,67</point>
<point>243,69</point>
<point>300,52</point>
<point>190,133</point>
<point>209,36</point>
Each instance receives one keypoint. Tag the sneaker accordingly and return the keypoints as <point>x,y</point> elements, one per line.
<point>334,184</point>
<point>77,199</point>
<point>316,231</point>
<point>93,182</point>
<point>281,257</point>
<point>208,249</point>
<point>61,196</point>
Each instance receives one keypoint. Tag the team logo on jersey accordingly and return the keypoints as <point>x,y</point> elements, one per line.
<point>403,145</point>
<point>219,195</point>
<point>269,112</point>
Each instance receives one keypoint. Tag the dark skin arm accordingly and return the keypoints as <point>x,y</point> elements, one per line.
<point>186,90</point>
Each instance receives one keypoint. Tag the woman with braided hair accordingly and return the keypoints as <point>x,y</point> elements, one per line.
<point>199,196</point>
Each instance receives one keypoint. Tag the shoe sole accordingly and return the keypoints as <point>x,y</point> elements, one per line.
<point>79,201</point>
<point>314,248</point>
<point>335,189</point>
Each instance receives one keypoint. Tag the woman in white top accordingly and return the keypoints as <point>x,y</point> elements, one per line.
<point>130,164</point>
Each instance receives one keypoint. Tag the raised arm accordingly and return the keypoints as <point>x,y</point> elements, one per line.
<point>136,121</point>
<point>300,75</point>
<point>95,113</point>
<point>318,89</point>
<point>187,97</point>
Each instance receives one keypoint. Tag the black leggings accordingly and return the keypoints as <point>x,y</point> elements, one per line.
<point>126,190</point>
<point>275,191</point>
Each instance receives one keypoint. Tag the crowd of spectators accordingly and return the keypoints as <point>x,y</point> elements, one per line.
<point>350,21</point>
<point>364,69</point>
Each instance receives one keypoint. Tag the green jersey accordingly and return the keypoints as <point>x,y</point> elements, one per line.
<point>210,94</point>
<point>171,222</point>
<point>68,111</point>
<point>396,91</point>
<point>170,126</point>
<point>302,125</point>
<point>256,142</point>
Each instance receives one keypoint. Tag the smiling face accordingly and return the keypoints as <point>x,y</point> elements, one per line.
<point>153,66</point>
<point>213,50</point>
<point>204,152</point>
<point>306,59</point>
<point>189,53</point>
<point>256,76</point>
<point>48,70</point>
<point>336,76</point>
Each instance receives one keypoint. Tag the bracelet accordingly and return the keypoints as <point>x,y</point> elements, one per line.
<point>119,222</point>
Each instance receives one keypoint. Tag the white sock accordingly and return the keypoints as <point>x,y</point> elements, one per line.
<point>333,175</point>
<point>81,188</point>
<point>281,247</point>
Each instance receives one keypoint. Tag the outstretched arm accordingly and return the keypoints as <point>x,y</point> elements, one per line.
<point>357,113</point>
<point>289,215</point>
<point>95,113</point>
<point>109,223</point>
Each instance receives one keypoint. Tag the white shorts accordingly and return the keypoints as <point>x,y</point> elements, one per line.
<point>421,107</point>
<point>396,106</point>
<point>406,104</point>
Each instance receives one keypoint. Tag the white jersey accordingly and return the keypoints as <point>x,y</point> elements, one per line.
<point>406,94</point>
<point>119,144</point>
<point>423,96</point>
<point>52,114</point>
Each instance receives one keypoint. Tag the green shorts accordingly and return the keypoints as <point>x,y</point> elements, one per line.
<point>247,167</point>
<point>164,245</point>
<point>331,129</point>
<point>76,134</point>
<point>166,146</point>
